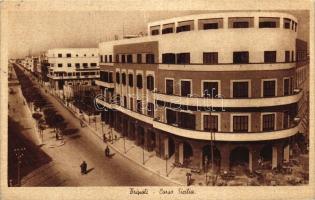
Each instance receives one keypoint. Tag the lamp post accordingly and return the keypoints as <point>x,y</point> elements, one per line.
<point>143,154</point>
<point>166,158</point>
<point>19,154</point>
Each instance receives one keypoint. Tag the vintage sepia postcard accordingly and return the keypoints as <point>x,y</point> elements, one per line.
<point>138,99</point>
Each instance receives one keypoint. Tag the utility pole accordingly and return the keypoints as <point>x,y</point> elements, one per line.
<point>19,153</point>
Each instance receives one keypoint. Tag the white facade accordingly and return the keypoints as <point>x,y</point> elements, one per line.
<point>73,64</point>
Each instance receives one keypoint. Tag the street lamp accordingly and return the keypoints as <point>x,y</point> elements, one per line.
<point>166,158</point>
<point>19,154</point>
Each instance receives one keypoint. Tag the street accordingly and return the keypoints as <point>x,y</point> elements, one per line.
<point>83,146</point>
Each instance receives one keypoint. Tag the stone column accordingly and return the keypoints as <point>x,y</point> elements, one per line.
<point>146,139</point>
<point>166,150</point>
<point>286,153</point>
<point>181,153</point>
<point>136,135</point>
<point>274,157</point>
<point>225,158</point>
<point>197,157</point>
<point>253,159</point>
<point>157,144</point>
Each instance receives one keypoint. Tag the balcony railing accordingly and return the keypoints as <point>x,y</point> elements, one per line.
<point>104,84</point>
<point>228,67</point>
<point>229,102</point>
<point>228,136</point>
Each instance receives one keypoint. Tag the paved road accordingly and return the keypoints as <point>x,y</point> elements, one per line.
<point>117,171</point>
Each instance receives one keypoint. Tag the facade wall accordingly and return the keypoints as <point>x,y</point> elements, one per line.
<point>225,41</point>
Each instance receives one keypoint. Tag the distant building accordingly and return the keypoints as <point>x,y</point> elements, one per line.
<point>72,66</point>
<point>227,81</point>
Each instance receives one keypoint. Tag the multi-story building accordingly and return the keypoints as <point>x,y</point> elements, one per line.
<point>72,66</point>
<point>222,81</point>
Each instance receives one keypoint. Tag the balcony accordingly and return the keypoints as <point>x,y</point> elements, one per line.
<point>104,84</point>
<point>221,102</point>
<point>73,77</point>
<point>227,136</point>
<point>135,115</point>
<point>227,67</point>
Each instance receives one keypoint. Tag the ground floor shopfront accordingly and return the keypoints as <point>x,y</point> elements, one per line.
<point>198,153</point>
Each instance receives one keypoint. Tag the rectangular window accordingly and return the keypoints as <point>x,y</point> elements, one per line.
<point>129,58</point>
<point>210,58</point>
<point>101,56</point>
<point>270,56</point>
<point>210,123</point>
<point>149,58</point>
<point>139,106</point>
<point>241,22</point>
<point>240,57</point>
<point>110,58</point>
<point>268,122</point>
<point>183,28</point>
<point>286,23</point>
<point>139,81</point>
<point>171,116</point>
<point>169,87</point>
<point>269,22</point>
<point>240,25</point>
<point>269,88</point>
<point>210,26</point>
<point>59,64</point>
<point>85,65</point>
<point>168,58</point>
<point>123,78</point>
<point>151,109</point>
<point>167,30</point>
<point>240,123</point>
<point>123,58</point>
<point>125,101</point>
<point>183,58</point>
<point>185,88</point>
<point>69,64</point>
<point>93,64</point>
<point>68,55</point>
<point>117,77</point>
<point>105,58</point>
<point>287,56</point>
<point>139,58</point>
<point>104,76</point>
<point>187,120</point>
<point>240,89</point>
<point>110,77</point>
<point>117,58</point>
<point>210,89</point>
<point>59,55</point>
<point>130,80</point>
<point>155,32</point>
<point>150,82</point>
<point>286,86</point>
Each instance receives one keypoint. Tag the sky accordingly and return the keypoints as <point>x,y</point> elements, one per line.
<point>32,32</point>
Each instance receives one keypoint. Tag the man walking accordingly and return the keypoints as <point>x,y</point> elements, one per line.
<point>83,167</point>
<point>107,151</point>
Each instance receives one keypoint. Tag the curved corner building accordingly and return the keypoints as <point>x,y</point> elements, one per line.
<point>223,79</point>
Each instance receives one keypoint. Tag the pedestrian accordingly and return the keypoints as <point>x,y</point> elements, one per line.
<point>107,151</point>
<point>83,167</point>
